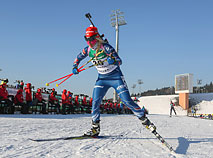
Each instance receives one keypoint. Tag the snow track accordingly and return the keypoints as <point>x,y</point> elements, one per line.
<point>124,137</point>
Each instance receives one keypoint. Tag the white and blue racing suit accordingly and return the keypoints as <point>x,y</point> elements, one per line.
<point>109,75</point>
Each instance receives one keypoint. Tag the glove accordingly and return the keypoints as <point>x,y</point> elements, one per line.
<point>75,70</point>
<point>110,60</point>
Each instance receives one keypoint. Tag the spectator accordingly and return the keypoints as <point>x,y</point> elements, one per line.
<point>106,106</point>
<point>84,102</point>
<point>39,99</point>
<point>193,109</point>
<point>85,105</point>
<point>4,98</point>
<point>90,102</point>
<point>76,100</point>
<point>70,104</point>
<point>120,107</point>
<point>110,107</point>
<point>65,101</point>
<point>115,107</point>
<point>54,101</point>
<point>28,92</point>
<point>19,99</point>
<point>18,84</point>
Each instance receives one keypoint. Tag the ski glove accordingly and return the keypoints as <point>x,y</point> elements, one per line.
<point>111,60</point>
<point>75,70</point>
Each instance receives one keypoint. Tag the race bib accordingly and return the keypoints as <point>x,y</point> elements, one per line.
<point>103,66</point>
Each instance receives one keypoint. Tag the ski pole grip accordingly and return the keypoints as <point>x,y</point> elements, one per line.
<point>88,15</point>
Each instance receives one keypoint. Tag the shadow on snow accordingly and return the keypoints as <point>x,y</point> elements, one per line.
<point>184,143</point>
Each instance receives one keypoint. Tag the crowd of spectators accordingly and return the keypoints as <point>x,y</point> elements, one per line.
<point>21,98</point>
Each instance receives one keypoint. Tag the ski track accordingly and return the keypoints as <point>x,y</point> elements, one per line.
<point>124,137</point>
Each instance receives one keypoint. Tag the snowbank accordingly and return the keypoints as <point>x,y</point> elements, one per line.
<point>161,104</point>
<point>203,102</point>
<point>205,107</point>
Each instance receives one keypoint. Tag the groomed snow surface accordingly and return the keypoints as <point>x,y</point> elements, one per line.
<point>125,136</point>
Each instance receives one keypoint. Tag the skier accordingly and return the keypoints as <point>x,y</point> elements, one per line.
<point>109,75</point>
<point>172,108</point>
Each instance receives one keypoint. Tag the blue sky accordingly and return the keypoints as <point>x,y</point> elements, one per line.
<point>39,40</point>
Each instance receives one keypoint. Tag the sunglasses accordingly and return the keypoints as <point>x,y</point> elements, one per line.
<point>90,38</point>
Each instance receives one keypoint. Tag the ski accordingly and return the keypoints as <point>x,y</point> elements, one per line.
<point>160,138</point>
<point>67,138</point>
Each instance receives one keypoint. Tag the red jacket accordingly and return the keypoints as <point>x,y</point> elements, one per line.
<point>90,101</point>
<point>118,106</point>
<point>28,92</point>
<point>69,95</point>
<point>19,97</point>
<point>3,92</point>
<point>38,95</point>
<point>110,105</point>
<point>76,100</point>
<point>106,105</point>
<point>84,100</point>
<point>115,105</point>
<point>64,97</point>
<point>52,97</point>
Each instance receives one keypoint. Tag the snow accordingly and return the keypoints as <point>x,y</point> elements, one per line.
<point>126,137</point>
<point>161,104</point>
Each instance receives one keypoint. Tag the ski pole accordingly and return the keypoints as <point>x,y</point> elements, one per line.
<point>47,84</point>
<point>79,70</point>
<point>64,79</point>
<point>69,75</point>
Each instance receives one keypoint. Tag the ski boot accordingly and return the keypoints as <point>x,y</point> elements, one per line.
<point>147,123</point>
<point>94,131</point>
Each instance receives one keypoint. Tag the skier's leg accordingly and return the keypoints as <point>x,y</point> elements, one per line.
<point>174,111</point>
<point>99,92</point>
<point>123,92</point>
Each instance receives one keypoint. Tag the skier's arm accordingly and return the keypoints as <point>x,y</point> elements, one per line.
<point>80,57</point>
<point>77,61</point>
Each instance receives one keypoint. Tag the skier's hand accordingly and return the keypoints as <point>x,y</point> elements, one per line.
<point>75,70</point>
<point>111,60</point>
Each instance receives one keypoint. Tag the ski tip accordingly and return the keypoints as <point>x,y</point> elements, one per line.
<point>34,140</point>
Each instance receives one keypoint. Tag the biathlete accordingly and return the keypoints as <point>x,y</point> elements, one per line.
<point>109,75</point>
